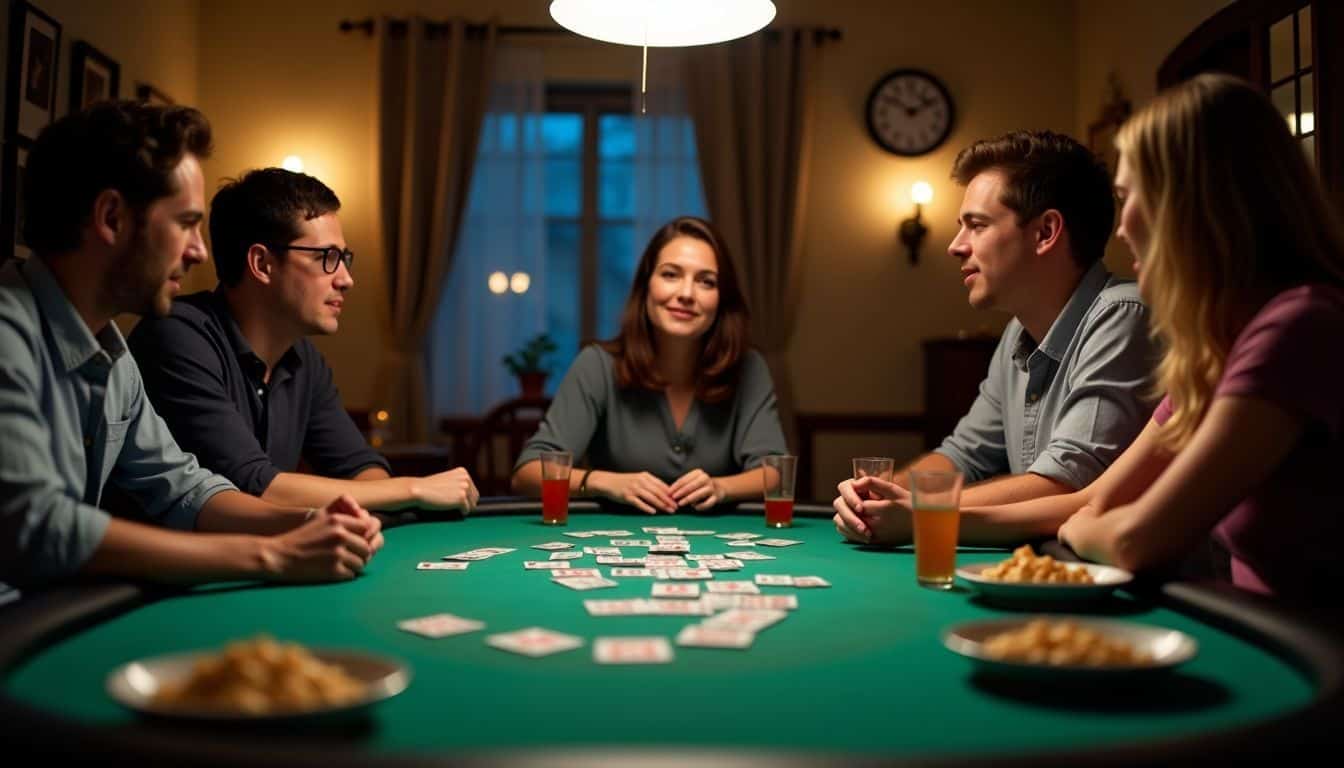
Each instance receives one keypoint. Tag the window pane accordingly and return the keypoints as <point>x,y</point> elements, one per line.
<point>616,188</point>
<point>616,269</point>
<point>562,291</point>
<point>615,136</point>
<point>1304,37</point>
<point>562,133</point>
<point>1281,49</point>
<point>1308,105</point>
<point>1309,149</point>
<point>1283,102</point>
<point>564,186</point>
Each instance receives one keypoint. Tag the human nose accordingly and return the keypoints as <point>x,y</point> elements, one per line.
<point>959,248</point>
<point>343,280</point>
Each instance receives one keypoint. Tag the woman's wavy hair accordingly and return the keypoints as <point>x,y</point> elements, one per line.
<point>723,345</point>
<point>1235,215</point>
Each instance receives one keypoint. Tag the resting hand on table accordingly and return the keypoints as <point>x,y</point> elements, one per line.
<point>638,489</point>
<point>453,489</point>
<point>332,546</point>
<point>1081,533</point>
<point>697,489</point>
<point>873,511</point>
<point>359,520</point>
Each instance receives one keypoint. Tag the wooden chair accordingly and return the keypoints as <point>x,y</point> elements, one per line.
<point>514,420</point>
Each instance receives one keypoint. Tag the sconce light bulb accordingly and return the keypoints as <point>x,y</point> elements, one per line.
<point>921,193</point>
<point>498,282</point>
<point>292,163</point>
<point>520,282</point>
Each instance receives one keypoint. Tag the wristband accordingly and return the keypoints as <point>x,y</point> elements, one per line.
<point>583,484</point>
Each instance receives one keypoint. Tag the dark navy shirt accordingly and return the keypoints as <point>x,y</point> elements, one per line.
<point>206,382</point>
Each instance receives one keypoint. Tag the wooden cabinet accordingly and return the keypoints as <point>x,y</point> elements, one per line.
<point>953,370</point>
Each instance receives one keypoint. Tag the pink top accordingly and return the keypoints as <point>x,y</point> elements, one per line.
<point>1285,535</point>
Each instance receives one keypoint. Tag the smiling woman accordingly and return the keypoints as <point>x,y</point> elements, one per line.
<point>677,410</point>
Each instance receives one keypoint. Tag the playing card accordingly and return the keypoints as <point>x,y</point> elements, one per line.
<point>544,565</point>
<point>442,566</point>
<point>534,641</point>
<point>667,538</point>
<point>810,581</point>
<point>733,588</point>
<point>585,583</point>
<point>741,543</point>
<point>676,608</point>
<point>632,650</point>
<point>663,529</point>
<point>668,549</point>
<point>576,573</point>
<point>689,573</point>
<point>718,556</point>
<point>617,573</point>
<point>752,556</point>
<point>440,625</point>
<point>610,551</point>
<point>551,546</point>
<point>737,536</point>
<point>777,542</point>
<point>613,533</point>
<point>579,534</point>
<point>631,543</point>
<point>566,555</point>
<point>468,556</point>
<point>633,562</point>
<point>766,602</point>
<point>615,607</point>
<point>745,619</point>
<point>676,589</point>
<point>665,561</point>
<point>774,580</point>
<point>697,533</point>
<point>701,636</point>
<point>722,565</point>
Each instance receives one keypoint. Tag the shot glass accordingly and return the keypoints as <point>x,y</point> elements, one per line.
<point>778,479</point>
<point>935,498</point>
<point>555,466</point>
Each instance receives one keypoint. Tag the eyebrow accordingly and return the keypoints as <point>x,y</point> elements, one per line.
<point>191,216</point>
<point>675,265</point>
<point>974,215</point>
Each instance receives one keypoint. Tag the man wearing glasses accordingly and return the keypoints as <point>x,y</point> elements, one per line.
<point>235,377</point>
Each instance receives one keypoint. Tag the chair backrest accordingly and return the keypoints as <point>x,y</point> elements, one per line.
<point>515,420</point>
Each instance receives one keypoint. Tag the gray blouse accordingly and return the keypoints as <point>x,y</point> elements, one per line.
<point>632,430</point>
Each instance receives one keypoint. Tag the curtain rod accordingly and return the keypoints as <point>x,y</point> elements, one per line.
<point>367,26</point>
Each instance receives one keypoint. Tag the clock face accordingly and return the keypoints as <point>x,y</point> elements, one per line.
<point>909,112</point>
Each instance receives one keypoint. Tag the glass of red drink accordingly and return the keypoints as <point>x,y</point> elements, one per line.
<point>778,474</point>
<point>555,466</point>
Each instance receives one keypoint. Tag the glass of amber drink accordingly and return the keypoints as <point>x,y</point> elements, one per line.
<point>555,466</point>
<point>778,477</point>
<point>935,498</point>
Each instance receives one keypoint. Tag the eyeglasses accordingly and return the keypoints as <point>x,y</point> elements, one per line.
<point>331,255</point>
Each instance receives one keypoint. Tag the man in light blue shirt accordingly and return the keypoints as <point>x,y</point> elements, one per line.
<point>115,201</point>
<point>1067,389</point>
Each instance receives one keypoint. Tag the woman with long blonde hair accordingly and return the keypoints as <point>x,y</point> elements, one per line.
<point>1241,260</point>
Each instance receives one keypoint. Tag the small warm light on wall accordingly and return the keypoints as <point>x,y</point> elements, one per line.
<point>381,416</point>
<point>912,230</point>
<point>292,163</point>
<point>520,282</point>
<point>498,282</point>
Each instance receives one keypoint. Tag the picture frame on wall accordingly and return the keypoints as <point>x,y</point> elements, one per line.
<point>34,60</point>
<point>151,95</point>
<point>14,165</point>
<point>94,76</point>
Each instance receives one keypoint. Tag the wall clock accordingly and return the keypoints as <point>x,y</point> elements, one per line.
<point>909,112</point>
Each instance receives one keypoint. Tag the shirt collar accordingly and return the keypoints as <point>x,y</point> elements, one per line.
<point>75,343</point>
<point>1062,331</point>
<point>247,356</point>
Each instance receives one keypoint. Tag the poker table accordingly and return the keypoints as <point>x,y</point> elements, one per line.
<point>856,674</point>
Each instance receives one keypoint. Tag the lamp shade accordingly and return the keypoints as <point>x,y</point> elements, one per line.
<point>663,23</point>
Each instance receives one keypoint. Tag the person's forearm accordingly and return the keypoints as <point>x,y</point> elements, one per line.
<point>745,485</point>
<point>1011,489</point>
<point>371,473</point>
<point>527,480</point>
<point>238,512</point>
<point>295,489</point>
<point>144,552</point>
<point>1008,524</point>
<point>929,462</point>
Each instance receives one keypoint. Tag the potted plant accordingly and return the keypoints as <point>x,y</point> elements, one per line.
<point>528,364</point>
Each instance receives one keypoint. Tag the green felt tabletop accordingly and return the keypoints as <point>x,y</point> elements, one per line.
<point>858,667</point>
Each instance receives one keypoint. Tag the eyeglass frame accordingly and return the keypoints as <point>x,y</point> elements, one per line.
<point>344,255</point>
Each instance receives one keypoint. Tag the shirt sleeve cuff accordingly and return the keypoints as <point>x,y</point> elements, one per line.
<point>1072,474</point>
<point>182,516</point>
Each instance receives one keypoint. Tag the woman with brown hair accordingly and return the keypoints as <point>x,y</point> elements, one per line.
<point>677,410</point>
<point>1241,261</point>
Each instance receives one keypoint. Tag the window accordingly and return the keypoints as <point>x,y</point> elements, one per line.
<point>1291,78</point>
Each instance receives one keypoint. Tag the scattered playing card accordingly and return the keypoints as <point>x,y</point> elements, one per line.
<point>722,565</point>
<point>697,533</point>
<point>631,543</point>
<point>777,542</point>
<point>719,556</point>
<point>440,625</point>
<point>615,607</point>
<point>810,581</point>
<point>632,650</point>
<point>656,529</point>
<point>701,636</point>
<point>668,549</point>
<point>737,536</point>
<point>667,538</point>
<point>633,562</point>
<point>741,543</point>
<point>613,533</point>
<point>752,556</point>
<point>774,580</point>
<point>665,561</point>
<point>544,565</point>
<point>566,555</point>
<point>468,556</point>
<point>689,573</point>
<point>676,589</point>
<point>576,573</point>
<point>451,565</point>
<point>746,619</point>
<point>676,608</point>
<point>766,602</point>
<point>553,545</point>
<point>585,583</point>
<point>534,641</point>
<point>609,551</point>
<point>617,573</point>
<point>492,551</point>
<point>733,588</point>
<point>580,534</point>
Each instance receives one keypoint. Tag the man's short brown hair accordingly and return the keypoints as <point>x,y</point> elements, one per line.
<point>1044,170</point>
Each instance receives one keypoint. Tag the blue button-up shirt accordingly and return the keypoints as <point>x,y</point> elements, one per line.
<point>1067,407</point>
<point>74,416</point>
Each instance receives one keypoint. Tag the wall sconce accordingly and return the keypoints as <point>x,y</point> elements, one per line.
<point>912,230</point>
<point>498,282</point>
<point>519,282</point>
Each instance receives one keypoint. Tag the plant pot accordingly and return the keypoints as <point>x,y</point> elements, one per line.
<point>533,384</point>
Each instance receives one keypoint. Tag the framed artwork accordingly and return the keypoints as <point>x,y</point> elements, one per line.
<point>34,53</point>
<point>15,165</point>
<point>94,76</point>
<point>1101,132</point>
<point>151,95</point>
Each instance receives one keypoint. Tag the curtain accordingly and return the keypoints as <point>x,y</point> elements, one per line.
<point>433,79</point>
<point>504,231</point>
<point>752,101</point>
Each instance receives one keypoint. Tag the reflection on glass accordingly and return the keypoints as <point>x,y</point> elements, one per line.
<point>562,288</point>
<point>1284,103</point>
<point>1281,49</point>
<point>1308,122</point>
<point>617,260</point>
<point>1309,149</point>
<point>1304,46</point>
